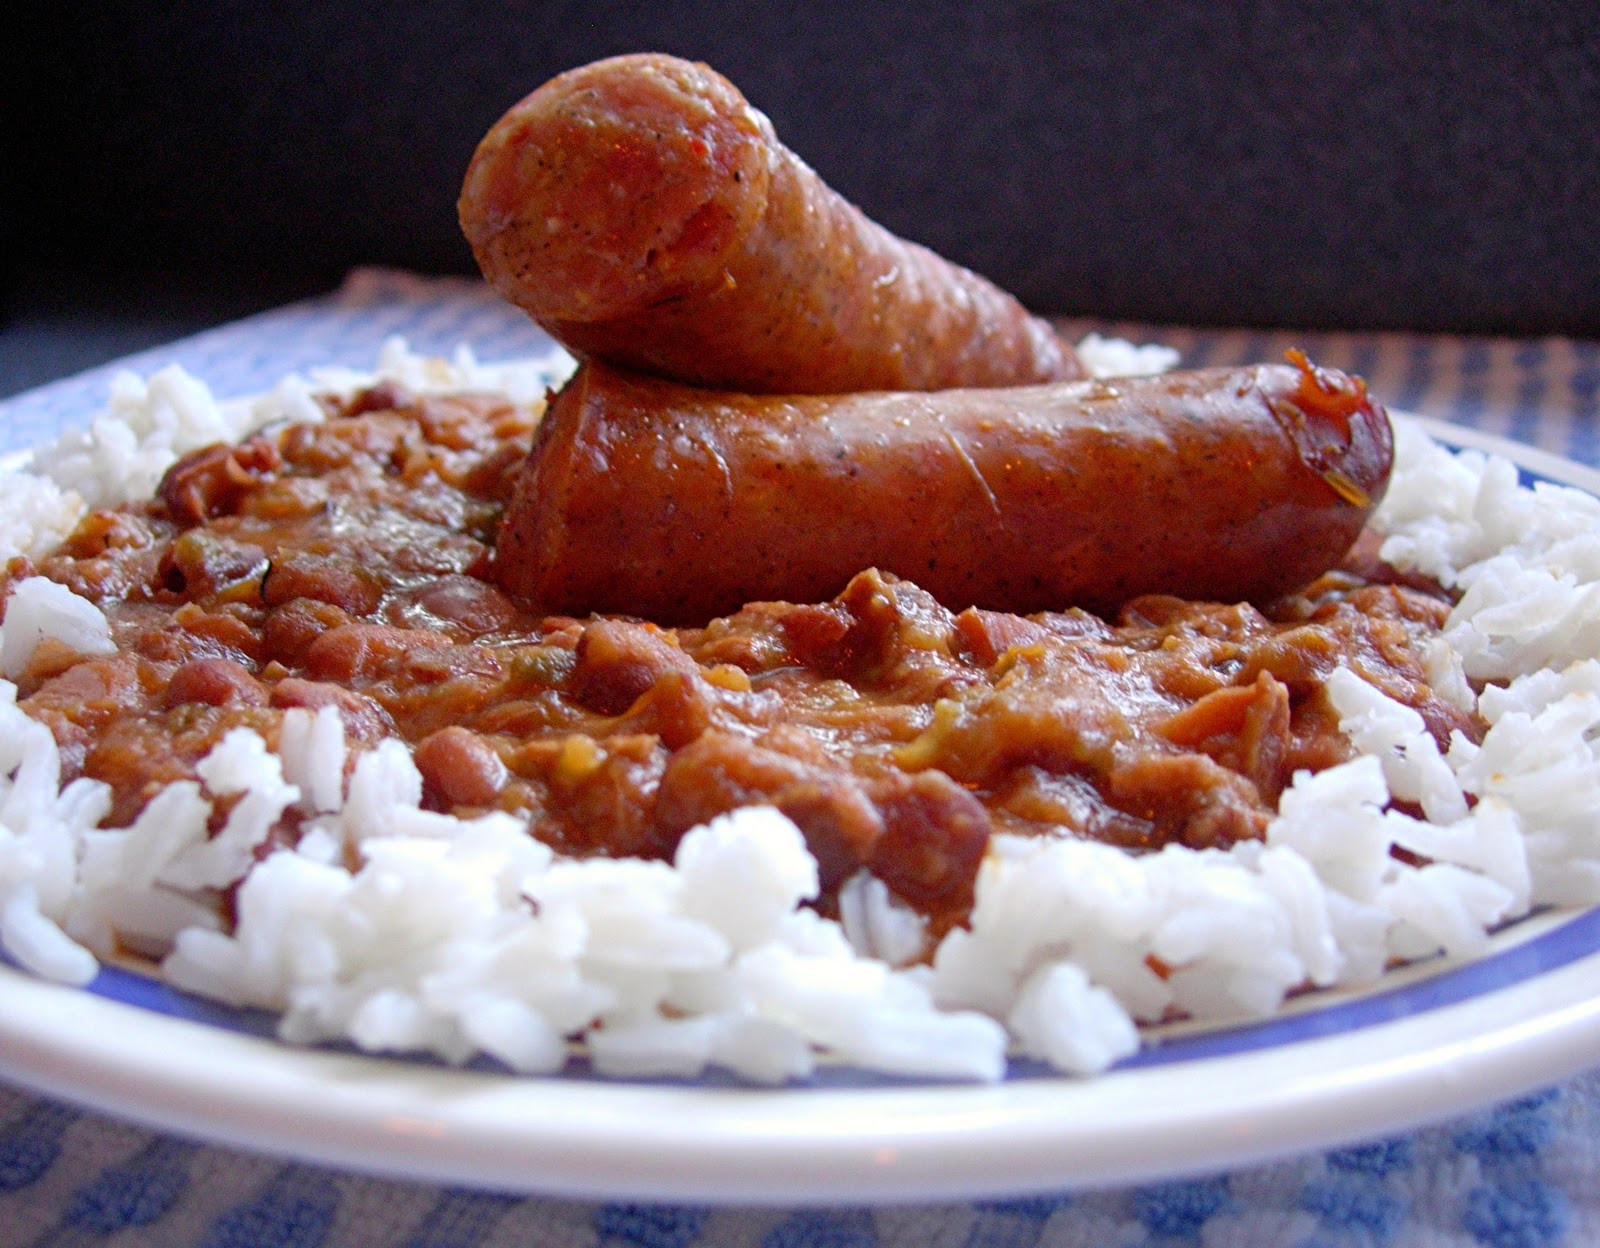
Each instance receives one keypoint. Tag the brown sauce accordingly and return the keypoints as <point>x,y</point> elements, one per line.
<point>349,563</point>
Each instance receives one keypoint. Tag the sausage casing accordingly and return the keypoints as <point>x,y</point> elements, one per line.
<point>644,213</point>
<point>646,497</point>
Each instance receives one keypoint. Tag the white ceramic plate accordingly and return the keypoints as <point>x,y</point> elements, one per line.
<point>1436,1040</point>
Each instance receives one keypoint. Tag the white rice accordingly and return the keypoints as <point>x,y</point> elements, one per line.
<point>1117,357</point>
<point>458,938</point>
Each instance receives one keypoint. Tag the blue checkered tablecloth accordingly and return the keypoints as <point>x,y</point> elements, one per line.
<point>1524,1174</point>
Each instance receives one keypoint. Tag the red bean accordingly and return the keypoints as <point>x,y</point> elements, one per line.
<point>340,582</point>
<point>461,767</point>
<point>214,682</point>
<point>364,650</point>
<point>475,605</point>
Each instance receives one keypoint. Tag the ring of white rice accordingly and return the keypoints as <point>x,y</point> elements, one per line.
<point>462,938</point>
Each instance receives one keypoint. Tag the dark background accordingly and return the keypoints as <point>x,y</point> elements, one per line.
<point>1362,165</point>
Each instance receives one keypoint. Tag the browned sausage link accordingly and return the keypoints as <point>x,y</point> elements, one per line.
<point>642,212</point>
<point>647,497</point>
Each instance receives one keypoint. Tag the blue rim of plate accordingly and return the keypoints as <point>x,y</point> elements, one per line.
<point>348,328</point>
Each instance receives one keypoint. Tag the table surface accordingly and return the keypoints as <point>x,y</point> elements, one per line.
<point>1525,1173</point>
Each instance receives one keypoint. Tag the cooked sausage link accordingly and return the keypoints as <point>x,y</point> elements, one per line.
<point>643,212</point>
<point>646,497</point>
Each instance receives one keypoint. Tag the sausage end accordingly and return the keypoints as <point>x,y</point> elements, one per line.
<point>615,186</point>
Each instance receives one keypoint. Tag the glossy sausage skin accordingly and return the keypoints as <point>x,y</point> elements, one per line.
<point>650,498</point>
<point>643,213</point>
